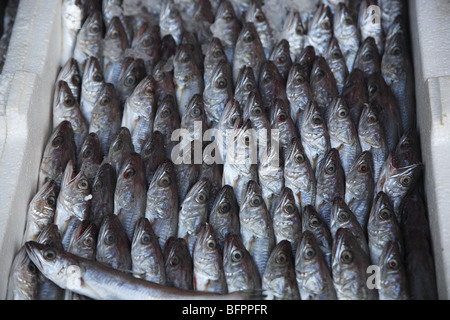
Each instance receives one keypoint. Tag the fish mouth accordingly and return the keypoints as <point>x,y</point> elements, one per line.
<point>30,247</point>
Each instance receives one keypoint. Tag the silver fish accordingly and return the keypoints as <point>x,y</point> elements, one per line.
<point>245,84</point>
<point>355,94</point>
<point>213,172</point>
<point>146,44</point>
<point>113,246</point>
<point>279,279</point>
<point>147,261</point>
<point>121,147</point>
<point>98,281</point>
<point>390,10</point>
<point>139,112</point>
<point>209,274</point>
<point>111,8</point>
<point>295,32</point>
<point>162,202</point>
<point>281,57</point>
<point>256,226</point>
<point>369,23</point>
<point>347,34</point>
<point>298,92</point>
<point>256,15</point>
<point>311,270</point>
<point>240,270</point>
<point>170,21</point>
<point>193,48</point>
<point>153,154</point>
<point>178,264</point>
<point>162,74</point>
<point>131,192</point>
<point>186,172</point>
<point>106,117</point>
<point>367,59</point>
<point>230,117</point>
<point>214,54</point>
<point>281,120</point>
<point>103,189</point>
<point>336,61</point>
<point>167,120</point>
<point>73,14</point>
<point>91,86</point>
<point>84,240</point>
<point>203,16</point>
<point>320,29</point>
<point>132,73</point>
<point>194,120</point>
<point>41,210</point>
<point>271,85</point>
<point>90,157</point>
<point>71,74</point>
<point>23,278</point>
<point>349,269</point>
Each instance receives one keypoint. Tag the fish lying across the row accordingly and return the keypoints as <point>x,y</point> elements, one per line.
<point>199,153</point>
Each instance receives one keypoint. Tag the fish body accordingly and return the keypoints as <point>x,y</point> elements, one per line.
<point>295,32</point>
<point>320,29</point>
<point>347,34</point>
<point>298,92</point>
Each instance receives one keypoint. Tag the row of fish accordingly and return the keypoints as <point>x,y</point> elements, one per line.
<point>344,194</point>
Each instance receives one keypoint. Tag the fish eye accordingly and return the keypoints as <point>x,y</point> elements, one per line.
<point>88,153</point>
<point>50,254</point>
<point>147,42</point>
<point>247,139</point>
<point>173,13</point>
<point>368,56</point>
<point>282,116</point>
<point>236,255</point>
<point>343,112</point>
<point>88,241</point>
<point>98,77</point>
<point>289,208</point>
<point>51,201</point>
<point>146,239</point>
<point>343,216</point>
<point>196,112</point>
<point>221,83</point>
<point>330,169</point>
<point>130,172</point>
<point>234,118</point>
<point>315,222</point>
<point>98,186</point>
<point>59,140</point>
<point>211,244</point>
<point>281,259</point>
<point>118,146</point>
<point>69,101</point>
<point>396,51</point>
<point>299,158</point>
<point>159,76</point>
<point>225,207</point>
<point>115,34</point>
<point>363,168</point>
<point>373,89</point>
<point>320,74</point>
<point>95,28</point>
<point>268,77</point>
<point>348,21</point>
<point>299,79</point>
<point>249,38</point>
<point>32,268</point>
<point>256,201</point>
<point>372,118</point>
<point>130,80</point>
<point>282,58</point>
<point>83,184</point>
<point>110,239</point>
<point>76,80</point>
<point>218,53</point>
<point>406,144</point>
<point>326,25</point>
<point>186,59</point>
<point>257,111</point>
<point>164,182</point>
<point>260,17</point>
<point>346,257</point>
<point>149,91</point>
<point>228,17</point>
<point>166,112</point>
<point>201,197</point>
<point>317,119</point>
<point>385,214</point>
<point>337,54</point>
<point>105,101</point>
<point>393,264</point>
<point>174,261</point>
<point>249,86</point>
<point>79,3</point>
<point>300,30</point>
<point>309,253</point>
<point>406,180</point>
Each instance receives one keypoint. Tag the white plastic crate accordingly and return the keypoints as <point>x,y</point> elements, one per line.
<point>26,92</point>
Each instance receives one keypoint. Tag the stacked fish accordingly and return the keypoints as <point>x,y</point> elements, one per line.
<point>123,211</point>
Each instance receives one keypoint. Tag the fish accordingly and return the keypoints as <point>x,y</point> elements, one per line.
<point>153,154</point>
<point>231,117</point>
<point>343,133</point>
<point>115,44</point>
<point>111,8</point>
<point>66,107</point>
<point>212,171</point>
<point>349,269</point>
<point>367,59</point>
<point>355,94</point>
<point>121,147</point>
<point>323,85</point>
<point>162,74</point>
<point>23,278</point>
<point>193,47</point>
<point>287,222</point>
<point>224,216</point>
<point>218,90</point>
<point>193,213</point>
<point>162,204</point>
<point>130,193</point>
<point>139,112</point>
<point>106,117</point>
<point>397,70</point>
<point>311,270</point>
<point>90,157</point>
<point>249,52</point>
<point>360,187</point>
<point>167,120</point>
<point>372,138</point>
<point>255,15</point>
<point>194,120</point>
<point>336,61</point>
<point>203,16</point>
<point>271,85</point>
<point>369,23</point>
<point>73,14</point>
<point>71,74</point>
<point>41,210</point>
<point>73,200</point>
<point>407,152</point>
<point>209,274</point>
<point>299,176</point>
<point>113,246</point>
<point>320,29</point>
<point>227,28</point>
<point>147,261</point>
<point>343,217</point>
<point>281,58</point>
<point>187,169</point>
<point>84,240</point>
<point>244,85</point>
<point>89,40</point>
<point>167,49</point>
<point>132,73</point>
<point>418,254</point>
<point>393,278</point>
<point>295,32</point>
<point>281,122</point>
<point>146,44</point>
<point>298,92</point>
<point>91,87</point>
<point>314,135</point>
<point>256,226</point>
<point>347,34</point>
<point>178,264</point>
<point>382,227</point>
<point>187,77</point>
<point>390,10</point>
<point>214,54</point>
<point>279,280</point>
<point>103,188</point>
<point>83,276</point>
<point>170,21</point>
<point>240,270</point>
<point>307,58</point>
